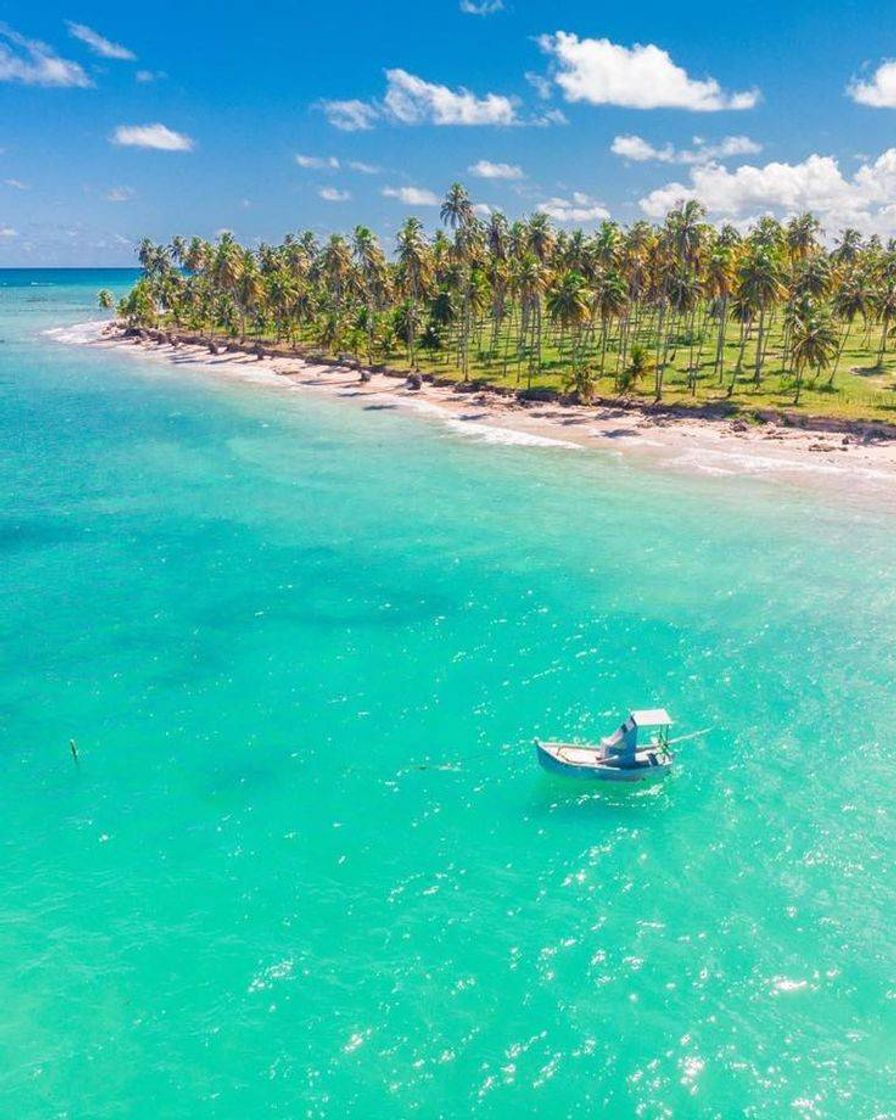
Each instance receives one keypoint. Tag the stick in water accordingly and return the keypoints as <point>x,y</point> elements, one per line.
<point>74,748</point>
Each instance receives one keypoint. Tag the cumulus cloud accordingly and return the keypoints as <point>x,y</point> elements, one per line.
<point>145,76</point>
<point>880,91</point>
<point>35,64</point>
<point>331,194</point>
<point>580,208</point>
<point>7,231</point>
<point>412,196</point>
<point>411,100</point>
<point>350,116</point>
<point>638,150</point>
<point>600,72</point>
<point>481,7</point>
<point>485,169</point>
<point>119,194</point>
<point>157,136</point>
<point>864,199</point>
<point>362,168</point>
<point>105,48</point>
<point>16,184</point>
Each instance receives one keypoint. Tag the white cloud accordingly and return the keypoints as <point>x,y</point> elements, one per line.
<point>7,231</point>
<point>540,84</point>
<point>16,184</point>
<point>880,92</point>
<point>157,136</point>
<point>331,194</point>
<point>580,208</point>
<point>638,150</point>
<point>350,116</point>
<point>640,77</point>
<point>483,210</point>
<point>412,196</point>
<point>119,194</point>
<point>35,64</point>
<point>331,163</point>
<point>149,75</point>
<point>411,100</point>
<point>485,169</point>
<point>481,7</point>
<point>105,48</point>
<point>863,200</point>
<point>318,163</point>
<point>552,116</point>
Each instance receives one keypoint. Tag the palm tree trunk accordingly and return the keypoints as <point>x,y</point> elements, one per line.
<point>757,372</point>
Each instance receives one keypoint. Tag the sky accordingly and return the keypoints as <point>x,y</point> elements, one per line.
<point>189,118</point>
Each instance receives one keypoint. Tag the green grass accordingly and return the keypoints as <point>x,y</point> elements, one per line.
<point>861,390</point>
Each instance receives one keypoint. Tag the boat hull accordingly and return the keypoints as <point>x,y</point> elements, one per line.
<point>571,760</point>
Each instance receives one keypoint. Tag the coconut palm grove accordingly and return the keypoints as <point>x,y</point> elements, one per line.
<point>683,311</point>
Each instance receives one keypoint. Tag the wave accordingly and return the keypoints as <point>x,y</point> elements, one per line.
<point>751,462</point>
<point>79,334</point>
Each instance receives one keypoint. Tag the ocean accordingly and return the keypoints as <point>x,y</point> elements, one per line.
<point>306,865</point>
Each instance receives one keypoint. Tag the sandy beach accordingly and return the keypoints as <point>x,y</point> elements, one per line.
<point>710,446</point>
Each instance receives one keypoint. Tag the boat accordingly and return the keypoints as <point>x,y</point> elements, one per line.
<point>619,757</point>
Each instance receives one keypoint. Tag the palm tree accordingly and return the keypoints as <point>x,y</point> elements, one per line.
<point>636,369</point>
<point>847,249</point>
<point>414,269</point>
<point>814,343</point>
<point>885,306</point>
<point>568,305</point>
<point>717,287</point>
<point>482,294</point>
<point>457,209</point>
<point>761,287</point>
<point>528,280</point>
<point>852,298</point>
<point>540,237</point>
<point>801,236</point>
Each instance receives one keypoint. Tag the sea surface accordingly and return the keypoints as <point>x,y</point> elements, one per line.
<point>306,865</point>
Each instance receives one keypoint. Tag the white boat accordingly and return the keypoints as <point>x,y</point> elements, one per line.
<point>619,757</point>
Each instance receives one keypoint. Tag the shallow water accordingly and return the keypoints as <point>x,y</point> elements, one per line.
<point>306,865</point>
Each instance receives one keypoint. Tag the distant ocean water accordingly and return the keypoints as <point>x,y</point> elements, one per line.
<point>307,866</point>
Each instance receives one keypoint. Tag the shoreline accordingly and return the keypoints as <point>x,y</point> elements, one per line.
<point>846,451</point>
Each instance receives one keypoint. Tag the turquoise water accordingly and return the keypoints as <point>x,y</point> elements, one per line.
<point>307,866</point>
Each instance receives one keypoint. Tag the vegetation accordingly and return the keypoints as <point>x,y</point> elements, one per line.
<point>681,311</point>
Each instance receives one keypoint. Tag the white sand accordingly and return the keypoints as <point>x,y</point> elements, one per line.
<point>715,447</point>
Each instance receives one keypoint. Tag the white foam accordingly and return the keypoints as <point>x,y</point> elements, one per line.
<point>751,462</point>
<point>79,334</point>
<point>493,433</point>
<point>481,431</point>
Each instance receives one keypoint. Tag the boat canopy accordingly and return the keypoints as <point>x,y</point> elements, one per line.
<point>652,717</point>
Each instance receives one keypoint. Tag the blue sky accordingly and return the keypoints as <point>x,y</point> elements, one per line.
<point>118,123</point>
